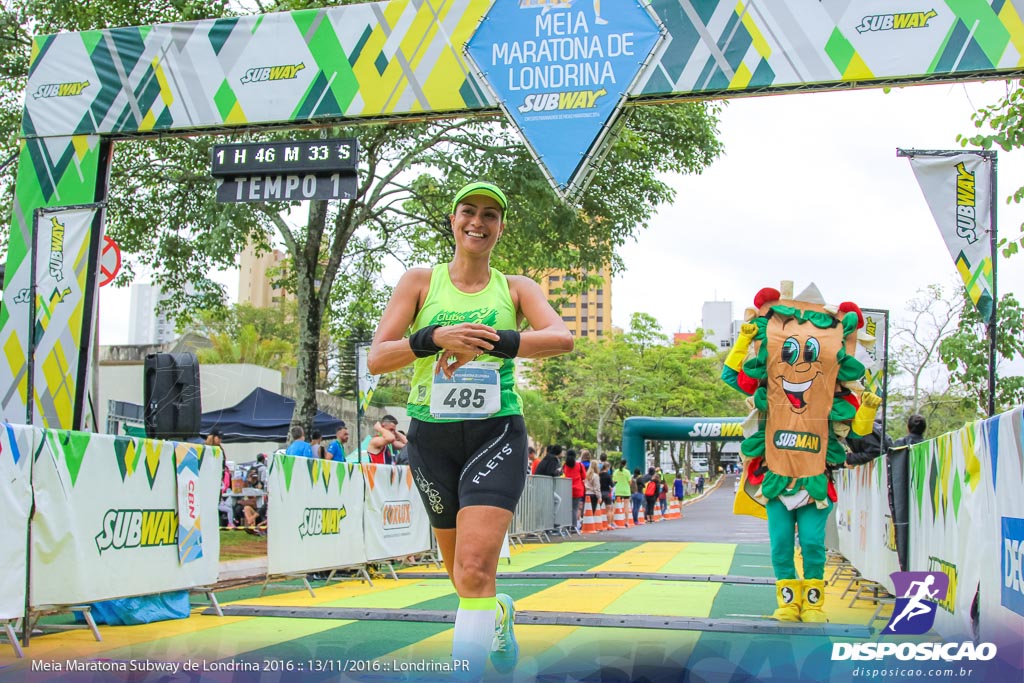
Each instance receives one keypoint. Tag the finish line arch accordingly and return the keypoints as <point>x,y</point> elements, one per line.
<point>636,430</point>
<point>382,61</point>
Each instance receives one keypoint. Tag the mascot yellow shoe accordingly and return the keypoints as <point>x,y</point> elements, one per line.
<point>787,592</point>
<point>813,595</point>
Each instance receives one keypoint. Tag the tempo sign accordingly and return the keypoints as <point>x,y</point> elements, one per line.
<point>286,171</point>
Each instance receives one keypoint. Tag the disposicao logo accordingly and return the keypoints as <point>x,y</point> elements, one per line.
<point>895,22</point>
<point>61,89</point>
<point>281,72</point>
<point>914,612</point>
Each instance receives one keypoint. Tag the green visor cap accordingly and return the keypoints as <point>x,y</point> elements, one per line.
<point>486,189</point>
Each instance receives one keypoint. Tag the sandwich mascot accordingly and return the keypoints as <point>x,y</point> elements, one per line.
<point>794,359</point>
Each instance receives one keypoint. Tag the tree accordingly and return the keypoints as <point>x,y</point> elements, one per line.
<point>161,204</point>
<point>1005,119</point>
<point>934,315</point>
<point>965,353</point>
<point>248,347</point>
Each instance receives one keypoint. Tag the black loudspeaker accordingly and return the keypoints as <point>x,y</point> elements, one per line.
<point>170,392</point>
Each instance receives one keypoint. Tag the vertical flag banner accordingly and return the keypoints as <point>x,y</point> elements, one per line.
<point>316,509</point>
<point>190,528</point>
<point>958,190</point>
<point>367,381</point>
<point>16,445</point>
<point>874,355</point>
<point>396,522</point>
<point>106,519</point>
<point>62,305</point>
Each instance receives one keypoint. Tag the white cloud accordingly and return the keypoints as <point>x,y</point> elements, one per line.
<point>810,189</point>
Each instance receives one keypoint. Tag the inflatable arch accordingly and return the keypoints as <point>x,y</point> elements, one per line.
<point>635,430</point>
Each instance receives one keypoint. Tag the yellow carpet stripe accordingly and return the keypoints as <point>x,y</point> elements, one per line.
<point>648,557</point>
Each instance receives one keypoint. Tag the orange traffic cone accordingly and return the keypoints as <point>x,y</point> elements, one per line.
<point>619,516</point>
<point>601,513</point>
<point>673,510</point>
<point>588,519</point>
<point>657,511</point>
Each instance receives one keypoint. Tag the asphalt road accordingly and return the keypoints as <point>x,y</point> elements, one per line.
<point>709,519</point>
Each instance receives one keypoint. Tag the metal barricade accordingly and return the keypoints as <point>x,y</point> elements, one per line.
<point>535,513</point>
<point>562,493</point>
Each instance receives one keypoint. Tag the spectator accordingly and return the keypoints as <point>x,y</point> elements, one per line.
<point>636,497</point>
<point>700,484</point>
<point>607,488</point>
<point>663,495</point>
<point>621,479</point>
<point>400,453</point>
<point>868,447</point>
<point>299,446</point>
<point>254,507</point>
<point>585,459</point>
<point>897,464</point>
<point>678,489</point>
<point>336,449</point>
<point>652,487</point>
<point>550,465</point>
<point>226,503</point>
<point>532,459</point>
<point>379,447</point>
<point>316,444</point>
<point>574,471</point>
<point>592,485</point>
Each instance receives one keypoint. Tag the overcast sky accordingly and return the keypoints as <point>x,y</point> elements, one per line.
<point>809,189</point>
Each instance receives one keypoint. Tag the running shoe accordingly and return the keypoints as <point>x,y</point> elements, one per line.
<point>504,648</point>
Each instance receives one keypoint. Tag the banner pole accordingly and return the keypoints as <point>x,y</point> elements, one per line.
<point>992,327</point>
<point>359,405</point>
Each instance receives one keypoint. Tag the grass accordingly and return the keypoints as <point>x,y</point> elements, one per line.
<point>236,544</point>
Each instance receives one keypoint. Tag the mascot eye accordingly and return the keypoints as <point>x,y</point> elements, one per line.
<point>790,351</point>
<point>811,350</point>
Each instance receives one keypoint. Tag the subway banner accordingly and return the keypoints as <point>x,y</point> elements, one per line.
<point>315,509</point>
<point>958,190</point>
<point>62,303</point>
<point>387,60</point>
<point>16,446</point>
<point>396,522</point>
<point>106,519</point>
<point>52,172</point>
<point>874,354</point>
<point>867,537</point>
<point>951,522</point>
<point>1002,581</point>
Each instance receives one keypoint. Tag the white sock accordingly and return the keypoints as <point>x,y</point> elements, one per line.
<point>474,632</point>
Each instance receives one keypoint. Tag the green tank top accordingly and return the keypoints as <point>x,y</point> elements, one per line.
<point>447,305</point>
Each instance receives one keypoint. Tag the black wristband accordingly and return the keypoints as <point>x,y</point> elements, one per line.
<point>507,345</point>
<point>422,342</point>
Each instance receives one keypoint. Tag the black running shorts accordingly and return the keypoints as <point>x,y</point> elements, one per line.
<point>473,462</point>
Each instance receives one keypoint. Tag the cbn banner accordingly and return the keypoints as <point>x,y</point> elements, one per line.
<point>867,536</point>
<point>16,446</point>
<point>315,510</point>
<point>106,521</point>
<point>952,524</point>
<point>958,190</point>
<point>62,306</point>
<point>396,522</point>
<point>1002,582</point>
